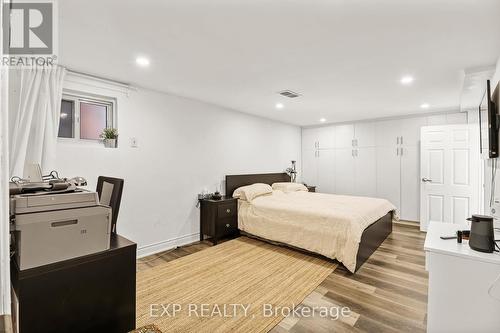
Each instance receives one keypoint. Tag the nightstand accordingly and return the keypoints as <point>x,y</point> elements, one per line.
<point>311,188</point>
<point>218,218</point>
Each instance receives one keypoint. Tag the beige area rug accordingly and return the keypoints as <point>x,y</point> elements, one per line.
<point>242,285</point>
<point>147,329</point>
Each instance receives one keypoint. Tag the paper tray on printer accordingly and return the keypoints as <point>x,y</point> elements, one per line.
<point>36,202</point>
<point>47,237</point>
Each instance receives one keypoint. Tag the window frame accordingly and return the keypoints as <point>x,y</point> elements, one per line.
<point>77,98</point>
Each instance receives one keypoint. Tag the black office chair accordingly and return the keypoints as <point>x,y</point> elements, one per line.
<point>110,194</point>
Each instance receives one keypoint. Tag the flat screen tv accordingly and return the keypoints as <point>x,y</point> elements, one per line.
<point>489,122</point>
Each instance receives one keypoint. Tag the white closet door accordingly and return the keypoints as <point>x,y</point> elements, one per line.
<point>410,183</point>
<point>309,167</point>
<point>309,138</point>
<point>387,133</point>
<point>344,171</point>
<point>364,134</point>
<point>388,175</point>
<point>326,137</point>
<point>410,130</point>
<point>365,181</point>
<point>344,134</point>
<point>326,171</point>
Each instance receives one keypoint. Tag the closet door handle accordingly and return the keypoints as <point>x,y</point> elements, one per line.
<point>401,148</point>
<point>401,141</point>
<point>397,151</point>
<point>426,180</point>
<point>397,140</point>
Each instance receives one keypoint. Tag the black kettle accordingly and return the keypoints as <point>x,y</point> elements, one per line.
<point>482,236</point>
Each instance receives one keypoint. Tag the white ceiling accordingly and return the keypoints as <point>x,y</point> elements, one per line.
<point>344,56</point>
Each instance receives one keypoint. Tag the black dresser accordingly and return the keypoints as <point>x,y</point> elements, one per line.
<point>218,218</point>
<point>93,293</point>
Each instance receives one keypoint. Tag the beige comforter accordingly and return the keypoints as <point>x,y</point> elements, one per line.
<point>328,224</point>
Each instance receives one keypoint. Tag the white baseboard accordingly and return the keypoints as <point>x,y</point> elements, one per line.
<point>168,244</point>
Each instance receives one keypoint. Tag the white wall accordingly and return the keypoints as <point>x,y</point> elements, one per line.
<point>184,147</point>
<point>488,163</point>
<point>4,199</point>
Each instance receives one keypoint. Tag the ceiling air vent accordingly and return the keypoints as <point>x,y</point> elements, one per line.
<point>289,94</point>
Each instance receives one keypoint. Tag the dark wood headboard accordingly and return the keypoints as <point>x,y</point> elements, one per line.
<point>235,181</point>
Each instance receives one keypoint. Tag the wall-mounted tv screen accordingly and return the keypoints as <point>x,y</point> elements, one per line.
<point>488,123</point>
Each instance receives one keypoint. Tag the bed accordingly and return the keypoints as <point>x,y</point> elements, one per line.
<point>304,220</point>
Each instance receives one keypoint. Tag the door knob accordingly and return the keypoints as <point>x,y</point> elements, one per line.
<point>426,180</point>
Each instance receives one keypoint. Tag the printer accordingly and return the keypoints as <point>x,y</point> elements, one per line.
<point>51,226</point>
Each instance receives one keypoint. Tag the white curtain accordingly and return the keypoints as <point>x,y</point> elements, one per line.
<point>34,112</point>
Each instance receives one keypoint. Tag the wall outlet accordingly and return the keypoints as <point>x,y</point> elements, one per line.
<point>134,143</point>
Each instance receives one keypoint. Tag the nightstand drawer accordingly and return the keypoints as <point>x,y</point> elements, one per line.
<point>226,210</point>
<point>227,225</point>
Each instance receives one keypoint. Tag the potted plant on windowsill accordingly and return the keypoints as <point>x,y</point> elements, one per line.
<point>109,137</point>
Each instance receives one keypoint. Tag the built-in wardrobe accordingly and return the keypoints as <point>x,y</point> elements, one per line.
<point>377,158</point>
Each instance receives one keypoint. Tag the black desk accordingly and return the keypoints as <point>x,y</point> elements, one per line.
<point>93,293</point>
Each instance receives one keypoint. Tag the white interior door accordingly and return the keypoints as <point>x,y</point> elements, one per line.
<point>326,171</point>
<point>344,171</point>
<point>448,185</point>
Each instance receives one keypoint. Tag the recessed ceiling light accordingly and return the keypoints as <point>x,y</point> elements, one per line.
<point>406,80</point>
<point>279,106</point>
<point>322,120</point>
<point>425,106</point>
<point>142,61</point>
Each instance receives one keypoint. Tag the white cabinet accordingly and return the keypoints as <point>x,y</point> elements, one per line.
<point>410,183</point>
<point>397,154</point>
<point>318,138</point>
<point>389,175</point>
<point>344,171</point>
<point>387,133</point>
<point>364,134</point>
<point>318,169</point>
<point>326,171</point>
<point>344,134</point>
<point>372,158</point>
<point>365,166</point>
<point>410,130</point>
<point>326,137</point>
<point>309,138</point>
<point>309,166</point>
<point>463,284</point>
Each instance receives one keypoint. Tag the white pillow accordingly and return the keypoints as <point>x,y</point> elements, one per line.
<point>251,192</point>
<point>289,187</point>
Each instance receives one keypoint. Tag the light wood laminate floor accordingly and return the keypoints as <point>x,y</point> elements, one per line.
<point>387,294</point>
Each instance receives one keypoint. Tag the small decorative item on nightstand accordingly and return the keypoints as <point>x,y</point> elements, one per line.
<point>218,218</point>
<point>292,172</point>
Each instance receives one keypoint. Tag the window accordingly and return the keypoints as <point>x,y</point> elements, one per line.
<point>85,118</point>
